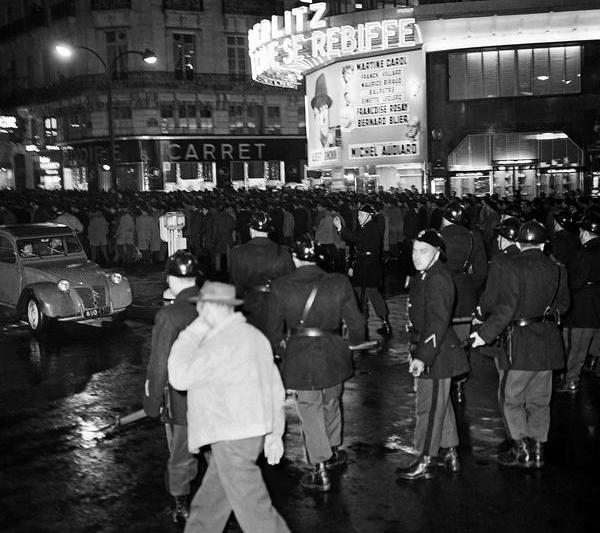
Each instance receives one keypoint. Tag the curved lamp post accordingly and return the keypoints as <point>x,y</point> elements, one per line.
<point>66,51</point>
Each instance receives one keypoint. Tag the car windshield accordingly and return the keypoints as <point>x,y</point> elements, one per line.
<point>48,246</point>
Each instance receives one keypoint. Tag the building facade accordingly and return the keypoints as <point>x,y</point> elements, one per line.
<point>192,120</point>
<point>480,97</point>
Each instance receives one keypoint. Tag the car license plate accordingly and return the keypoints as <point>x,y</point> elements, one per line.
<point>95,313</point>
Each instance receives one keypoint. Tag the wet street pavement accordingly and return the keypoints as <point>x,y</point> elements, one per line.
<point>63,470</point>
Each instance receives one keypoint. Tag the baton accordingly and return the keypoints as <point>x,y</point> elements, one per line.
<point>131,417</point>
<point>367,345</point>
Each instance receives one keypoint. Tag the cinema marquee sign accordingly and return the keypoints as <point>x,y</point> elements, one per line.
<point>282,49</point>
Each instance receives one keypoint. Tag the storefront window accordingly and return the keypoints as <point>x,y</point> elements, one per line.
<point>206,119</point>
<point>273,120</point>
<point>492,73</point>
<point>167,121</point>
<point>187,116</point>
<point>236,118</point>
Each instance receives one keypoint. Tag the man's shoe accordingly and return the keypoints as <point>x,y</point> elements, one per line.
<point>423,468</point>
<point>536,453</point>
<point>385,329</point>
<point>338,458</point>
<point>571,386</point>
<point>518,455</point>
<point>181,510</point>
<point>591,364</point>
<point>317,480</point>
<point>448,457</point>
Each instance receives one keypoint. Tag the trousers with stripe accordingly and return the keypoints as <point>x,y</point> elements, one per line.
<point>436,423</point>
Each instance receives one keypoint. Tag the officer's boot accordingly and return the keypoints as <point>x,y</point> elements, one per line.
<point>536,453</point>
<point>591,364</point>
<point>338,458</point>
<point>517,455</point>
<point>423,468</point>
<point>386,328</point>
<point>448,457</point>
<point>317,480</point>
<point>181,509</point>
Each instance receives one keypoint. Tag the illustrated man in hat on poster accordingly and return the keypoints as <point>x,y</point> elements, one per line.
<point>320,103</point>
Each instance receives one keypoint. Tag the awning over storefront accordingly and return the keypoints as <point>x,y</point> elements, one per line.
<point>481,152</point>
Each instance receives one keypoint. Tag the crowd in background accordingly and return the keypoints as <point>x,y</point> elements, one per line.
<point>118,228</point>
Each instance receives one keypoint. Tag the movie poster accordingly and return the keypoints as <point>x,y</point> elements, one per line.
<point>367,111</point>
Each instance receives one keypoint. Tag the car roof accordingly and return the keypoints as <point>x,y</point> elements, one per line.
<point>44,229</point>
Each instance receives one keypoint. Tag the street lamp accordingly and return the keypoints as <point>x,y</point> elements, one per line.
<point>66,51</point>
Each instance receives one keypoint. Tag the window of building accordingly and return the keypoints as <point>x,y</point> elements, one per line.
<point>167,120</point>
<point>536,71</point>
<point>273,119</point>
<point>184,55</point>
<point>50,130</point>
<point>236,118</point>
<point>187,116</point>
<point>255,118</point>
<point>122,112</point>
<point>236,54</point>
<point>116,44</point>
<point>206,119</point>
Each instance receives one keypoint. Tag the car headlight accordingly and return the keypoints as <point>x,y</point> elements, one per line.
<point>116,278</point>
<point>63,285</point>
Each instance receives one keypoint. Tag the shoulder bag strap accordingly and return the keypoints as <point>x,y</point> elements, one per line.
<point>307,306</point>
<point>549,307</point>
<point>468,261</point>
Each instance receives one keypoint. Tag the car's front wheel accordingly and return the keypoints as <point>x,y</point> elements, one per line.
<point>35,316</point>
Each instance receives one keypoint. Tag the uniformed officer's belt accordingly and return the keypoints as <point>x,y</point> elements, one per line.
<point>312,332</point>
<point>520,322</point>
<point>261,288</point>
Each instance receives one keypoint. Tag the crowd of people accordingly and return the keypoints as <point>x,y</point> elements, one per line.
<point>273,292</point>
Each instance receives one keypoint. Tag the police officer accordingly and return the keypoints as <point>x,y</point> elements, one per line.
<point>160,399</point>
<point>536,293</point>
<point>437,356</point>
<point>310,305</point>
<point>254,265</point>
<point>583,320</point>
<point>467,263</point>
<point>564,245</point>
<point>367,268</point>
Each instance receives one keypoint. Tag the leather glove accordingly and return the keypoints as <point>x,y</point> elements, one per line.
<point>273,448</point>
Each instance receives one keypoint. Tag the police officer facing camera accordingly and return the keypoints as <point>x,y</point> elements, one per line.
<point>437,357</point>
<point>254,265</point>
<point>307,307</point>
<point>535,295</point>
<point>160,399</point>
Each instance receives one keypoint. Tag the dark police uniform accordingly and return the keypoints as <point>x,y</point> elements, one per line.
<point>583,321</point>
<point>431,298</point>
<point>315,366</point>
<point>367,266</point>
<point>564,246</point>
<point>533,346</point>
<point>253,266</point>
<point>162,399</point>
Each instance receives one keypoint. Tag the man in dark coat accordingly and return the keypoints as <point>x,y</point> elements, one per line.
<point>583,320</point>
<point>564,245</point>
<point>367,268</point>
<point>254,265</point>
<point>536,294</point>
<point>437,356</point>
<point>160,399</point>
<point>467,264</point>
<point>311,304</point>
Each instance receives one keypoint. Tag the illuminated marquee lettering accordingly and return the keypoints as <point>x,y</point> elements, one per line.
<point>281,49</point>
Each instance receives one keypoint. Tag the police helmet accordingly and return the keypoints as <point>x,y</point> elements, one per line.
<point>367,208</point>
<point>532,232</point>
<point>454,212</point>
<point>563,218</point>
<point>509,228</point>
<point>260,221</point>
<point>306,249</point>
<point>591,222</point>
<point>183,264</point>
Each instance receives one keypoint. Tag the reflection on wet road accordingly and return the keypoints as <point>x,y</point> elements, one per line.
<point>65,470</point>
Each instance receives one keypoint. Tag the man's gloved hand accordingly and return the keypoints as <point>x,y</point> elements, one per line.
<point>273,448</point>
<point>416,367</point>
<point>477,340</point>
